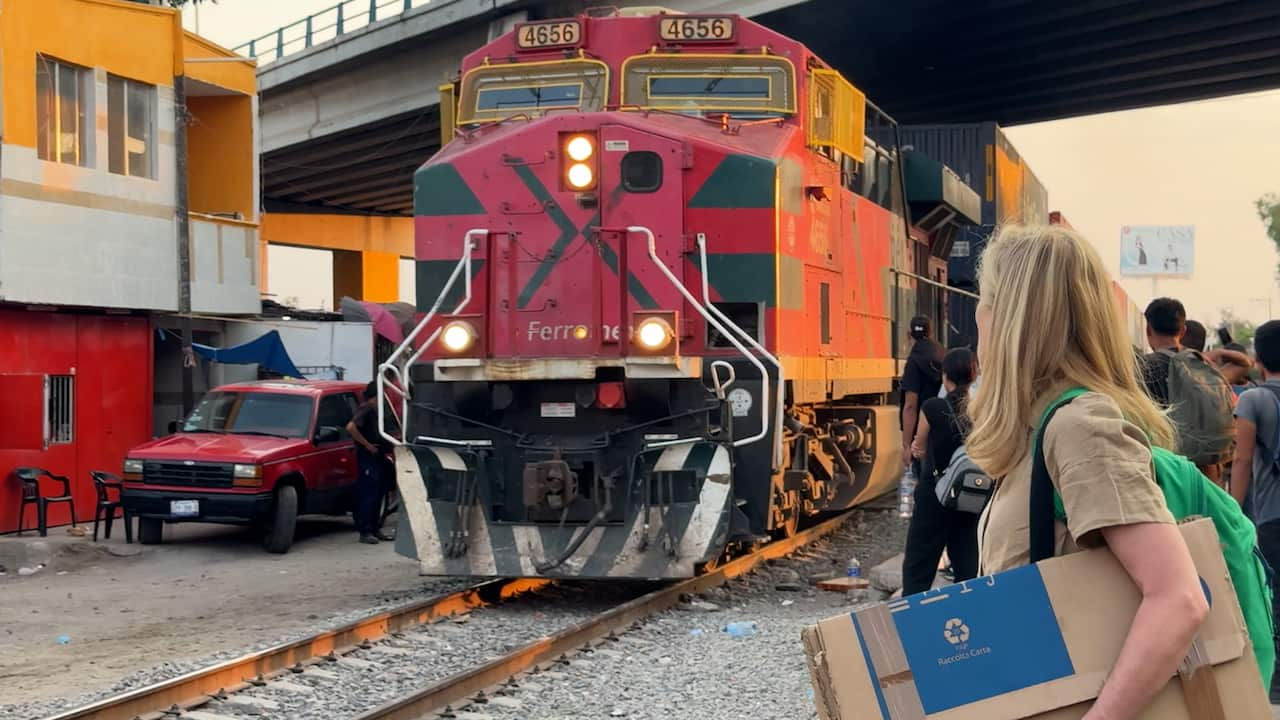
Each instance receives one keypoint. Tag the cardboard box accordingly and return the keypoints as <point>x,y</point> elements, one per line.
<point>1034,642</point>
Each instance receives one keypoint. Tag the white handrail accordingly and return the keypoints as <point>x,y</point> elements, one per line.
<point>711,320</point>
<point>463,267</point>
<point>781,398</point>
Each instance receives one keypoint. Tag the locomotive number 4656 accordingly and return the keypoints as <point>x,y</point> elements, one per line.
<point>696,29</point>
<point>549,34</point>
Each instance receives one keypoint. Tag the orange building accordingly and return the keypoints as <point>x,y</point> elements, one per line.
<point>91,248</point>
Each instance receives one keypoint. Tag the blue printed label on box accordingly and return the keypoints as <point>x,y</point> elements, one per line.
<point>981,638</point>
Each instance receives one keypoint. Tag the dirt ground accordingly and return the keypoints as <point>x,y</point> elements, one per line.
<point>207,589</point>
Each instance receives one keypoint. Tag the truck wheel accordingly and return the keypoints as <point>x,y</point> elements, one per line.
<point>150,531</point>
<point>283,519</point>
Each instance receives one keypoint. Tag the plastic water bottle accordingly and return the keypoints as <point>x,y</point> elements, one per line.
<point>741,629</point>
<point>854,569</point>
<point>906,494</point>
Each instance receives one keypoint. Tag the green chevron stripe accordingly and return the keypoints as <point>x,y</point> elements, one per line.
<point>742,277</point>
<point>568,232</point>
<point>739,181</point>
<point>430,277</point>
<point>440,190</point>
<point>634,286</point>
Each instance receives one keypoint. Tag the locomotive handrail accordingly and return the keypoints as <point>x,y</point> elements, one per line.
<point>469,245</point>
<point>715,323</point>
<point>935,283</point>
<point>706,298</point>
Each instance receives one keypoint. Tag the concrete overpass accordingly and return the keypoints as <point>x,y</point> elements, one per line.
<point>346,120</point>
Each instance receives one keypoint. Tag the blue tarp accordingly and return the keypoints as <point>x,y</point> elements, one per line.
<point>266,351</point>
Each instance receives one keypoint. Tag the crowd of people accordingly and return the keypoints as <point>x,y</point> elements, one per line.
<point>1063,393</point>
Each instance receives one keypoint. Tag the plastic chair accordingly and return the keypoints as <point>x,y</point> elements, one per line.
<point>104,483</point>
<point>30,478</point>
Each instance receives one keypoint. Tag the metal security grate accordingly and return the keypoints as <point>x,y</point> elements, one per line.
<point>187,472</point>
<point>59,411</point>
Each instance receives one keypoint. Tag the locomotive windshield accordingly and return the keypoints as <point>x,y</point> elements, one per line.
<point>500,91</point>
<point>739,86</point>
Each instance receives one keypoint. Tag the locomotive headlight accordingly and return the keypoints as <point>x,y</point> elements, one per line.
<point>458,336</point>
<point>580,148</point>
<point>580,175</point>
<point>654,334</point>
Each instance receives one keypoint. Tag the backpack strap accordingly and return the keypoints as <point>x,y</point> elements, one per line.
<point>1042,490</point>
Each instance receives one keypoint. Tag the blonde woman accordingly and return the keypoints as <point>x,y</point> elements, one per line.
<point>1046,324</point>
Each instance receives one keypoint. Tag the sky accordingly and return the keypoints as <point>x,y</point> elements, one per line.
<point>1200,164</point>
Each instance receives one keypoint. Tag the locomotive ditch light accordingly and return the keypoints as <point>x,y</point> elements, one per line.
<point>458,336</point>
<point>579,148</point>
<point>580,176</point>
<point>654,334</point>
<point>579,164</point>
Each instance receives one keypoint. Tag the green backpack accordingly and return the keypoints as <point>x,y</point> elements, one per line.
<point>1188,493</point>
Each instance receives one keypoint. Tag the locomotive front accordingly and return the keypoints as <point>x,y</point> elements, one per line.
<point>596,260</point>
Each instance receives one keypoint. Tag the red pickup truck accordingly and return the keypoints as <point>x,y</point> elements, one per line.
<point>258,453</point>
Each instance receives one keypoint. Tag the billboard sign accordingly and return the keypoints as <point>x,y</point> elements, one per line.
<point>1157,250</point>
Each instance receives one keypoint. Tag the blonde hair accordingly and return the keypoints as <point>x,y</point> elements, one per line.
<point>1053,320</point>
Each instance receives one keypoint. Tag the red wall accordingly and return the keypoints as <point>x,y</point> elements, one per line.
<point>110,358</point>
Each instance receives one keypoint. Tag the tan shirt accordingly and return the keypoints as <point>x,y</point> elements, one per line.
<point>1101,466</point>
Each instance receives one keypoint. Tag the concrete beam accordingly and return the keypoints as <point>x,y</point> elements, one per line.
<point>362,95</point>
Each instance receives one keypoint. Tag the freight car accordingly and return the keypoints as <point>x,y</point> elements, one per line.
<point>662,260</point>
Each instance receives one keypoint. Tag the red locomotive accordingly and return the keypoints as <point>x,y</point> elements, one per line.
<point>660,258</point>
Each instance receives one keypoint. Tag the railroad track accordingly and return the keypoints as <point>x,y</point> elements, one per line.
<point>209,693</point>
<point>198,687</point>
<point>464,685</point>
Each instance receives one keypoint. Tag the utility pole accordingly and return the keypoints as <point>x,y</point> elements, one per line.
<point>182,208</point>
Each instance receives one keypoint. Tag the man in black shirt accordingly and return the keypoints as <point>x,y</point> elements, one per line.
<point>921,380</point>
<point>371,457</point>
<point>1166,324</point>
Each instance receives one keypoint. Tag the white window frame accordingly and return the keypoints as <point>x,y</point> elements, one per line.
<point>153,139</point>
<point>82,156</point>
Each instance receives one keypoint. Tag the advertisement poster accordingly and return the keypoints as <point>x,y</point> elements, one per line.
<point>1157,250</point>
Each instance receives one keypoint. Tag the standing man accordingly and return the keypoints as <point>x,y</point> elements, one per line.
<point>921,380</point>
<point>1198,397</point>
<point>1196,336</point>
<point>1255,469</point>
<point>1166,324</point>
<point>371,456</point>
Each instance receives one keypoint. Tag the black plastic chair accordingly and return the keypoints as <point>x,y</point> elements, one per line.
<point>30,478</point>
<point>104,483</point>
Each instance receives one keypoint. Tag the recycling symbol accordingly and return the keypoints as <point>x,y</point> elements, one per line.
<point>956,632</point>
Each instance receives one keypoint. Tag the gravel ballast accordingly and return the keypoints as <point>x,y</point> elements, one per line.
<point>683,664</point>
<point>680,663</point>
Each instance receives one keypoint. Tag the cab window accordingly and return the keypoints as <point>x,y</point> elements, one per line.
<point>734,85</point>
<point>495,92</point>
<point>335,412</point>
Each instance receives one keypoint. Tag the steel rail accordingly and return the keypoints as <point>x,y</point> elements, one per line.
<point>199,686</point>
<point>459,687</point>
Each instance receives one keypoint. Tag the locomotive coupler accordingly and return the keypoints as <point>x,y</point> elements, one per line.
<point>549,485</point>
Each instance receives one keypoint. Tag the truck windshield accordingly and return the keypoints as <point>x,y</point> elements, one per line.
<point>496,92</point>
<point>252,413</point>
